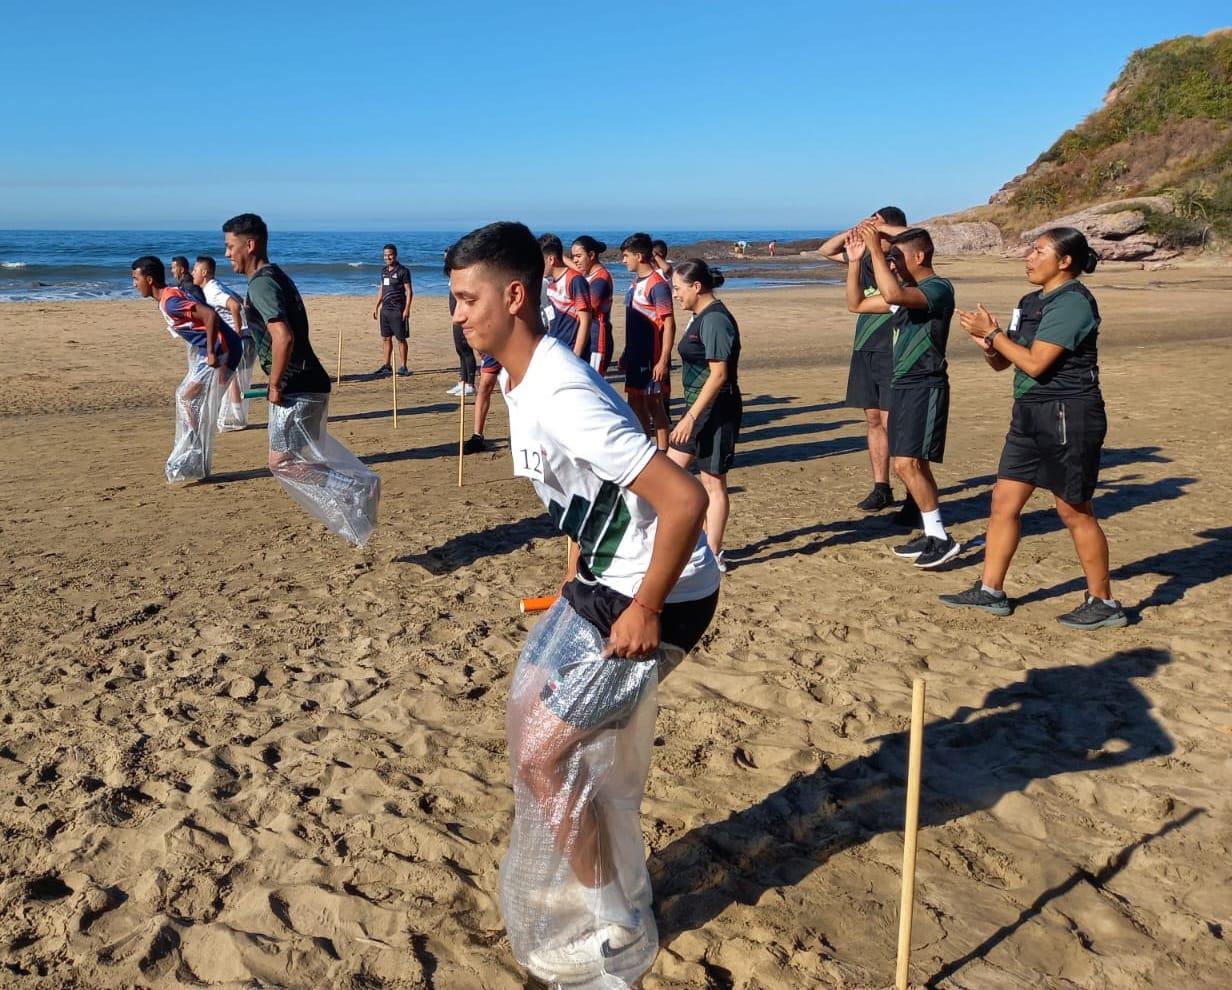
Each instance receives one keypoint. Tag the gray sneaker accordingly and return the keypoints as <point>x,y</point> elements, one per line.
<point>977,597</point>
<point>912,548</point>
<point>938,552</point>
<point>1094,613</point>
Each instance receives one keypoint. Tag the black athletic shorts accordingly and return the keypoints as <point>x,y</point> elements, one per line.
<point>918,418</point>
<point>1056,445</point>
<point>868,381</point>
<point>714,437</point>
<point>393,325</point>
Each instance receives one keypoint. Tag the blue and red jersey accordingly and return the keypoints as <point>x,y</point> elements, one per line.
<point>570,298</point>
<point>601,292</point>
<point>176,305</point>
<point>648,304</point>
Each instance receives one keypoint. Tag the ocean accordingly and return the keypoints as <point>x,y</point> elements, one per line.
<point>49,265</point>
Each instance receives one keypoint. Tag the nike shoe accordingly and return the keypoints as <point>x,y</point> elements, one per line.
<point>977,597</point>
<point>876,500</point>
<point>585,956</point>
<point>913,548</point>
<point>938,552</point>
<point>456,390</point>
<point>1094,613</point>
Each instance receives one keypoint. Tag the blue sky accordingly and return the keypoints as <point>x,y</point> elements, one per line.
<point>437,116</point>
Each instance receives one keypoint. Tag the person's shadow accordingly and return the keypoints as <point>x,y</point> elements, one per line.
<point>1059,720</point>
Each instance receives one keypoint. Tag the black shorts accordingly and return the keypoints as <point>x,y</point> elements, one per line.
<point>918,418</point>
<point>714,436</point>
<point>1056,445</point>
<point>393,325</point>
<point>868,381</point>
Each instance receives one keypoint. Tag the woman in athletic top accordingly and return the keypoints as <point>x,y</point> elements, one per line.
<point>710,356</point>
<point>1057,427</point>
<point>584,252</point>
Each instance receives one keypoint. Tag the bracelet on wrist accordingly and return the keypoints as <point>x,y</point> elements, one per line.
<point>638,601</point>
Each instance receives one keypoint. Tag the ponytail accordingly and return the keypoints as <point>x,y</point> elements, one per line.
<point>695,270</point>
<point>1072,243</point>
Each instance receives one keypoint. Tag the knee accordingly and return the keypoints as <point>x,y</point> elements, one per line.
<point>1075,516</point>
<point>904,467</point>
<point>872,419</point>
<point>535,767</point>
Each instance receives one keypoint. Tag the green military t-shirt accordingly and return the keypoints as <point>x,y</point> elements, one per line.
<point>1068,317</point>
<point>872,329</point>
<point>920,336</point>
<point>712,335</point>
<point>273,297</point>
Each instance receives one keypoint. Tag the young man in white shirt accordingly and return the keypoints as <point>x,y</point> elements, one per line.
<point>640,573</point>
<point>229,306</point>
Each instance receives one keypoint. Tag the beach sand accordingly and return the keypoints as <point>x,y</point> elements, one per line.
<point>236,752</point>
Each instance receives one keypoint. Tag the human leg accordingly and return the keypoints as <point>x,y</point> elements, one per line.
<point>1090,542</point>
<point>717,510</point>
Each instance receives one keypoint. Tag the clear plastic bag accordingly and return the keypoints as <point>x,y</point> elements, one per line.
<point>197,401</point>
<point>327,480</point>
<point>574,890</point>
<point>234,412</point>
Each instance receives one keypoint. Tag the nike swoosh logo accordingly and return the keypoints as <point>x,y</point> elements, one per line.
<point>609,953</point>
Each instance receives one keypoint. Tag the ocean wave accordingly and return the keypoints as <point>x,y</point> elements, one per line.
<point>12,264</point>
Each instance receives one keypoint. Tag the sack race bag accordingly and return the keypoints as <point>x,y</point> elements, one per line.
<point>233,415</point>
<point>197,402</point>
<point>580,729</point>
<point>327,480</point>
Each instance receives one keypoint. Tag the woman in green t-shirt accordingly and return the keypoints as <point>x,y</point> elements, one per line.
<point>1057,427</point>
<point>710,356</point>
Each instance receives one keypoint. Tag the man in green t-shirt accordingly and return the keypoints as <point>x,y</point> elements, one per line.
<point>920,387</point>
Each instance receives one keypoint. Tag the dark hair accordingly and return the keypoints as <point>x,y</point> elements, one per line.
<point>208,263</point>
<point>695,270</point>
<point>247,225</point>
<point>590,245</point>
<point>180,260</point>
<point>659,244</point>
<point>505,246</point>
<point>1071,242</point>
<point>550,246</point>
<point>152,268</point>
<point>893,215</point>
<point>391,247</point>
<point>919,239</point>
<point>638,244</point>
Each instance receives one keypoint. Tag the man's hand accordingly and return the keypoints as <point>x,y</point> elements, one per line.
<point>659,374</point>
<point>980,323</point>
<point>635,634</point>
<point>854,244</point>
<point>275,395</point>
<point>376,312</point>
<point>870,234</point>
<point>211,359</point>
<point>683,432</point>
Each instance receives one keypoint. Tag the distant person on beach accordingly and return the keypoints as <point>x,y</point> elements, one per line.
<point>741,248</point>
<point>393,310</point>
<point>584,253</point>
<point>230,309</point>
<point>772,247</point>
<point>650,331</point>
<point>182,275</point>
<point>312,466</point>
<point>640,589</point>
<point>923,305</point>
<point>710,358</point>
<point>872,363</point>
<point>1057,426</point>
<point>466,356</point>
<point>662,264</point>
<point>214,353</point>
<point>569,294</point>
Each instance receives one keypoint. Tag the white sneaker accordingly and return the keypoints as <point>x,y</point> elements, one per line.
<point>470,390</point>
<point>722,562</point>
<point>456,390</point>
<point>585,956</point>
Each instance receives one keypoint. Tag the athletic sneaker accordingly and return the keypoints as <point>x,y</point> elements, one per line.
<point>721,562</point>
<point>456,390</point>
<point>404,372</point>
<point>474,445</point>
<point>876,500</point>
<point>384,371</point>
<point>587,955</point>
<point>938,552</point>
<point>1094,613</point>
<point>977,597</point>
<point>913,548</point>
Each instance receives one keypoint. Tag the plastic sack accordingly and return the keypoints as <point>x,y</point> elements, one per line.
<point>197,401</point>
<point>327,480</point>
<point>233,415</point>
<point>574,890</point>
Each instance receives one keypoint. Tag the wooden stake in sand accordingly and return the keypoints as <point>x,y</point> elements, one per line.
<point>338,377</point>
<point>910,829</point>
<point>461,430</point>
<point>394,378</point>
<point>530,605</point>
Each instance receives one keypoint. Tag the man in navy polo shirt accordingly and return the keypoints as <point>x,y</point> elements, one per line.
<point>393,310</point>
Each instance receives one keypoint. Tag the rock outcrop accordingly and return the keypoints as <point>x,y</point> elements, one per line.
<point>1118,230</point>
<point>965,238</point>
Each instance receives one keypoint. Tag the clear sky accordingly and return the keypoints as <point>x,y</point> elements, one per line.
<point>441,115</point>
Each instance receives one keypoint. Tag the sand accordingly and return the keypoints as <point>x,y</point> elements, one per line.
<point>235,752</point>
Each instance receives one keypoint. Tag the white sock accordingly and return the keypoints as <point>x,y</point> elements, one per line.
<point>932,523</point>
<point>991,591</point>
<point>610,904</point>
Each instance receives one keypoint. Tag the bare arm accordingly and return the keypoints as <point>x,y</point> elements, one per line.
<point>410,294</point>
<point>857,301</point>
<point>237,314</point>
<point>281,344</point>
<point>665,357</point>
<point>687,423</point>
<point>209,319</point>
<point>1033,360</point>
<point>581,344</point>
<point>380,294</point>
<point>893,293</point>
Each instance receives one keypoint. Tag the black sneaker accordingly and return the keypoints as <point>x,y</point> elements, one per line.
<point>404,372</point>
<point>938,552</point>
<point>876,500</point>
<point>1094,613</point>
<point>908,516</point>
<point>474,445</point>
<point>384,371</point>
<point>977,597</point>
<point>913,548</point>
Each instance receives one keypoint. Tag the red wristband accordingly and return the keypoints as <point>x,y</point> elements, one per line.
<point>638,601</point>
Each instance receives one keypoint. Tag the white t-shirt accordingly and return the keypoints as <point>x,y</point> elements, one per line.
<point>581,446</point>
<point>217,294</point>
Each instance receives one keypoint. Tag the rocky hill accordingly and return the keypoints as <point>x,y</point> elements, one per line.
<point>1147,175</point>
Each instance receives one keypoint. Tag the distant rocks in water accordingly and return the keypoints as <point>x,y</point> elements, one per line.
<point>1118,230</point>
